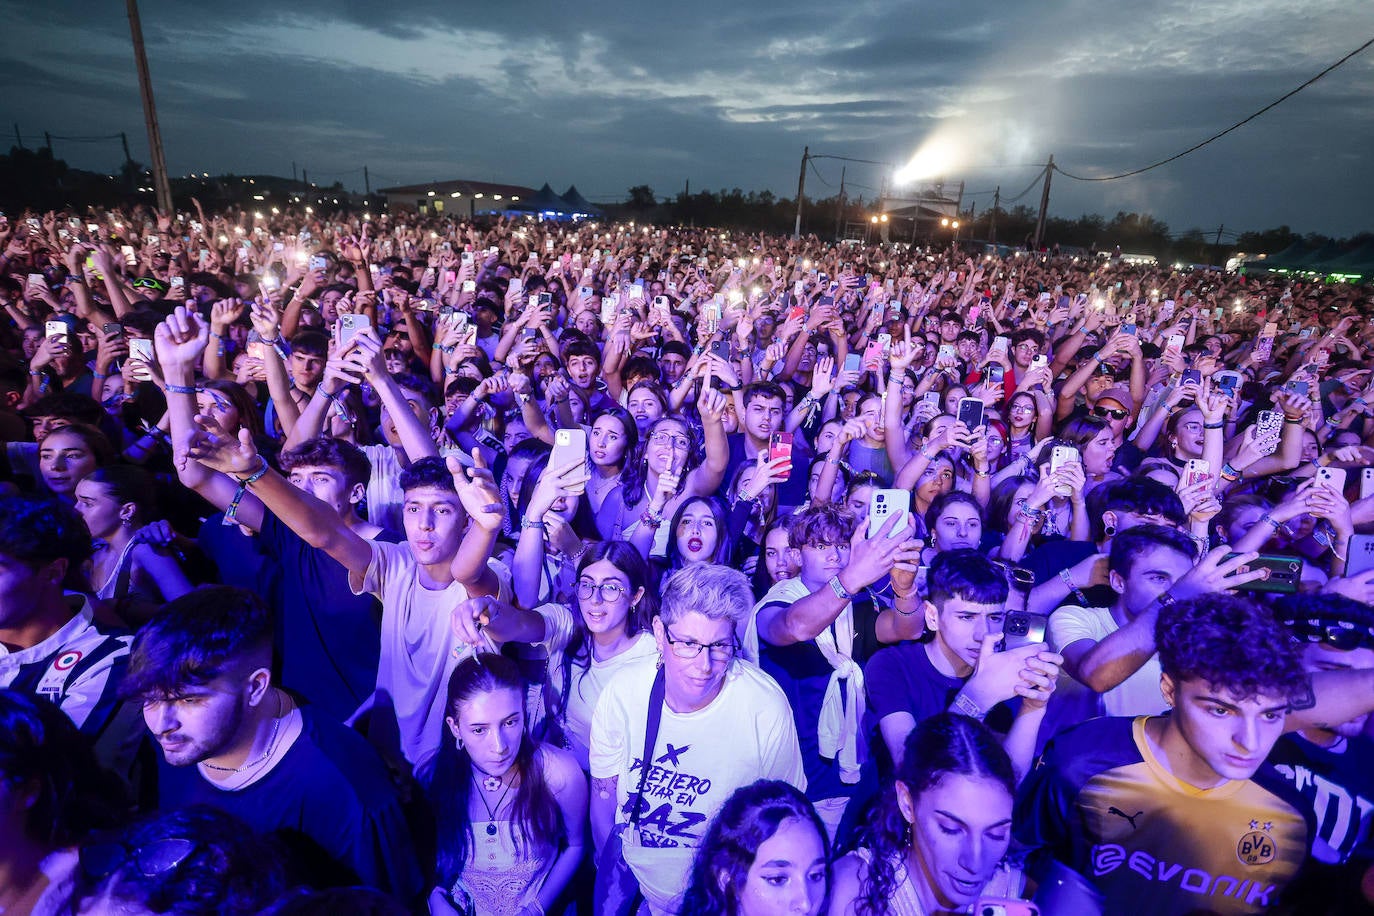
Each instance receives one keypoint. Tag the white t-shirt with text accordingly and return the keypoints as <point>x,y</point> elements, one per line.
<point>745,734</point>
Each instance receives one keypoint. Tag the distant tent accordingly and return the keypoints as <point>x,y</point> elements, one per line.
<point>1314,259</point>
<point>1282,260</point>
<point>579,203</point>
<point>545,201</point>
<point>1359,260</point>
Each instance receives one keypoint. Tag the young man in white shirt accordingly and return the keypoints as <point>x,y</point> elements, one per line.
<point>1111,650</point>
<point>443,563</point>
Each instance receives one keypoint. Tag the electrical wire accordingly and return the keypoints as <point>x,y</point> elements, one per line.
<point>817,172</point>
<point>1034,181</point>
<point>1218,136</point>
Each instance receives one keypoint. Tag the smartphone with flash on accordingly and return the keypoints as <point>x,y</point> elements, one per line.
<point>1023,628</point>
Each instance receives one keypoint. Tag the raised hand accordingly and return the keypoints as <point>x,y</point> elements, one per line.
<point>224,313</point>
<point>477,490</point>
<point>221,450</point>
<point>180,340</point>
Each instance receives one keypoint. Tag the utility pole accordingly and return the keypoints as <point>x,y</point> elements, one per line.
<point>293,170</point>
<point>145,86</point>
<point>1216,249</point>
<point>18,137</point>
<point>305,177</point>
<point>992,224</point>
<point>1044,203</point>
<point>839,208</point>
<point>801,190</point>
<point>47,141</point>
<point>367,182</point>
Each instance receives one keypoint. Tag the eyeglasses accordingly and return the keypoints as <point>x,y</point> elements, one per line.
<point>687,648</point>
<point>1113,413</point>
<point>1338,634</point>
<point>156,858</point>
<point>610,590</point>
<point>679,443</point>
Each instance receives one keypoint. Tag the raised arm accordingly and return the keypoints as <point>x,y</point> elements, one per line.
<point>705,479</point>
<point>266,322</point>
<point>316,523</point>
<point>482,500</point>
<point>414,435</point>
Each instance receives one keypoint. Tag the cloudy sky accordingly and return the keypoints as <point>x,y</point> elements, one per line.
<point>725,94</point>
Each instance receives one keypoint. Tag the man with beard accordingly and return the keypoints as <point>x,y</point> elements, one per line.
<point>231,739</point>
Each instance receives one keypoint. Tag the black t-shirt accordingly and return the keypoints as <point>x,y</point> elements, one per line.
<point>901,678</point>
<point>792,492</point>
<point>328,800</point>
<point>1339,785</point>
<point>328,639</point>
<point>240,558</point>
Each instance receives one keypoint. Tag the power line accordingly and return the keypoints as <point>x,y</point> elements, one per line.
<point>1030,187</point>
<point>1238,124</point>
<point>817,172</point>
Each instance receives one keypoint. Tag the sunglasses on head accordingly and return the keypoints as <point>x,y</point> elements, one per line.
<point>156,858</point>
<point>1338,634</point>
<point>148,283</point>
<point>1113,413</point>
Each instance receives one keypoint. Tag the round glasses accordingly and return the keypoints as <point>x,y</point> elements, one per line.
<point>610,590</point>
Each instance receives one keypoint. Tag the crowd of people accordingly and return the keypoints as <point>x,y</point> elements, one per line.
<point>393,563</point>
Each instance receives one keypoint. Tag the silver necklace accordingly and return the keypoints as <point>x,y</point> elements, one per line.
<point>271,747</point>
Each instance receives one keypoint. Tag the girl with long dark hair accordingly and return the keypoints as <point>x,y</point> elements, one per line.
<point>605,628</point>
<point>509,812</point>
<point>764,853</point>
<point>940,835</point>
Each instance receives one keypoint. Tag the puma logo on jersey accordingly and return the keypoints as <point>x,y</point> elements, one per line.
<point>1123,815</point>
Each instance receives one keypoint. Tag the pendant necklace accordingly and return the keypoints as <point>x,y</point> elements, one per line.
<point>491,784</point>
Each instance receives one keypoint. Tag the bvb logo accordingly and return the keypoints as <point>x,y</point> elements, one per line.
<point>1256,848</point>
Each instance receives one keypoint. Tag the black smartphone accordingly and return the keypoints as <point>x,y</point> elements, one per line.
<point>971,412</point>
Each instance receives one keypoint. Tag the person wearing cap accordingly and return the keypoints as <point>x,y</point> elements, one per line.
<point>486,315</point>
<point>1332,766</point>
<point>1097,374</point>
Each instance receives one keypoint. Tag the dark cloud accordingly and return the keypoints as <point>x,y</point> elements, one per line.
<point>725,94</point>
